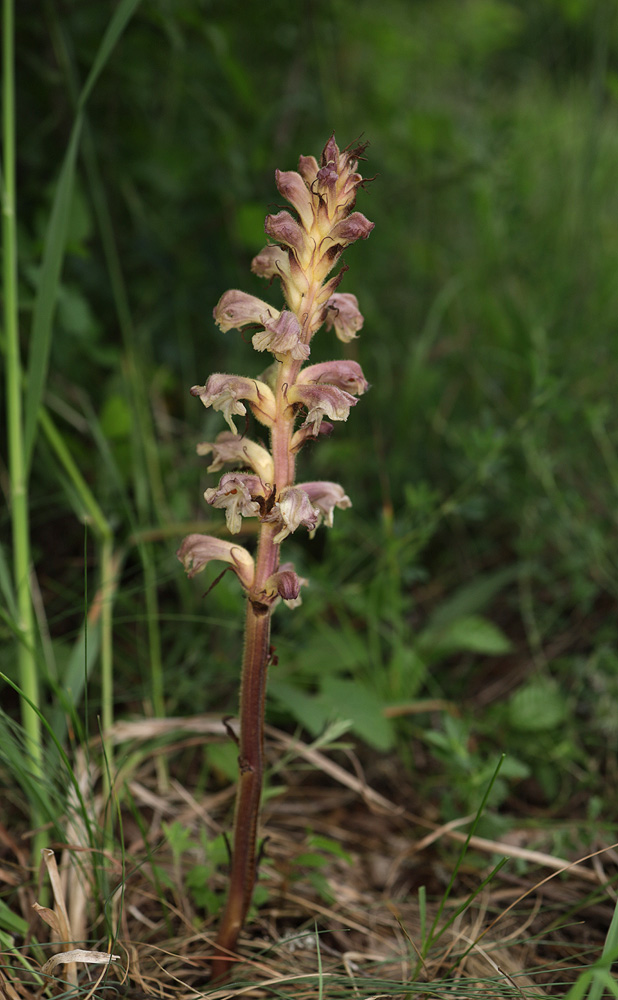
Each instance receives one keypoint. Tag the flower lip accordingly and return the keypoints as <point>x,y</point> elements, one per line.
<point>292,509</point>
<point>235,494</point>
<point>282,336</point>
<point>325,496</point>
<point>343,314</point>
<point>321,401</point>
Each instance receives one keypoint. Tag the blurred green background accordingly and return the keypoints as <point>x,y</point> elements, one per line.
<point>479,564</point>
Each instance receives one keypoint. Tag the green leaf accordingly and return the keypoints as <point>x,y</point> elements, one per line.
<point>474,597</point>
<point>56,239</point>
<point>352,700</point>
<point>472,634</point>
<point>12,922</point>
<point>116,420</point>
<point>537,706</point>
<point>306,708</point>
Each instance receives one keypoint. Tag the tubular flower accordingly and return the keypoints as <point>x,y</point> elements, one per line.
<point>196,551</point>
<point>224,392</point>
<point>282,336</point>
<point>271,262</point>
<point>322,401</point>
<point>343,314</point>
<point>236,493</point>
<point>234,449</point>
<point>236,309</point>
<point>293,509</point>
<point>344,374</point>
<point>325,497</point>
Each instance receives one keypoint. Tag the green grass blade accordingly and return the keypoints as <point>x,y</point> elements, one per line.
<point>610,952</point>
<point>47,292</point>
<point>55,242</point>
<point>121,17</point>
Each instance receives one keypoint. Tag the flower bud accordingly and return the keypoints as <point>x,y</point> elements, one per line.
<point>284,585</point>
<point>285,229</point>
<point>354,227</point>
<point>293,188</point>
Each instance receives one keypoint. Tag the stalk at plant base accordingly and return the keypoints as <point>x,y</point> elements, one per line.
<point>304,251</point>
<point>18,469</point>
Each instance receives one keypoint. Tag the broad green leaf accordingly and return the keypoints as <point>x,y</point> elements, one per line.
<point>471,634</point>
<point>537,706</point>
<point>352,700</point>
<point>305,708</point>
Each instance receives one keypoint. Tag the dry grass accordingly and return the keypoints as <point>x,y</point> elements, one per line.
<point>358,933</point>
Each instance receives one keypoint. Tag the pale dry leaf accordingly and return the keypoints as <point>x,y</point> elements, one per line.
<point>78,955</point>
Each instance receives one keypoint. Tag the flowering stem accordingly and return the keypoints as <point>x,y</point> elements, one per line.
<point>251,735</point>
<point>304,252</point>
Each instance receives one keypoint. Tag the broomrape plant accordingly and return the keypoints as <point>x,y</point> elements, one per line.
<point>297,403</point>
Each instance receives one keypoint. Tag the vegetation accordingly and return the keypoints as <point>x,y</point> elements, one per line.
<point>463,609</point>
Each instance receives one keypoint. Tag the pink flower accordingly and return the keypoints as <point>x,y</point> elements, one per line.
<point>282,336</point>
<point>322,401</point>
<point>236,309</point>
<point>344,374</point>
<point>292,509</point>
<point>224,392</point>
<point>196,551</point>
<point>342,312</point>
<point>235,494</point>
<point>233,448</point>
<point>271,262</point>
<point>326,496</point>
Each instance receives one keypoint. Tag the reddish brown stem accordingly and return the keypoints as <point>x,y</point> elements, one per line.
<point>250,766</point>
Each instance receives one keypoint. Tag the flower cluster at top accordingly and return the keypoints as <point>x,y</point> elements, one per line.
<point>295,403</point>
